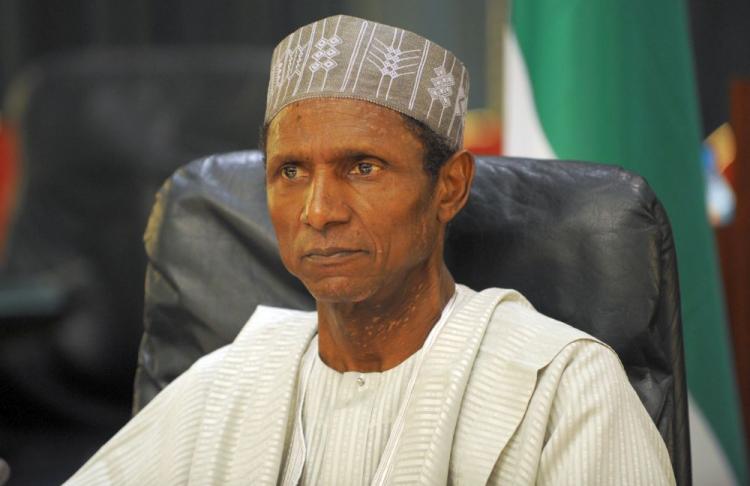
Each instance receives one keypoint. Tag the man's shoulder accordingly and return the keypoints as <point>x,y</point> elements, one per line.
<point>266,315</point>
<point>277,320</point>
<point>518,332</point>
<point>268,328</point>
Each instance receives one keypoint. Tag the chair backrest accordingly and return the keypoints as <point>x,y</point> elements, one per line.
<point>587,244</point>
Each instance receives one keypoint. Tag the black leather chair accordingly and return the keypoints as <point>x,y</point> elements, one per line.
<point>587,244</point>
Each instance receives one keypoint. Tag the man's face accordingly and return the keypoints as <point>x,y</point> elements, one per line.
<point>351,204</point>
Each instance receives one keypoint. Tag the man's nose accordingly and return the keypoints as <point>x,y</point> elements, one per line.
<point>325,203</point>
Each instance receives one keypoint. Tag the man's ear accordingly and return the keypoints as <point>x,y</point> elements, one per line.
<point>454,184</point>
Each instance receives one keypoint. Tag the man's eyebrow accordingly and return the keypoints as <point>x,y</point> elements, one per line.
<point>355,154</point>
<point>342,155</point>
<point>288,157</point>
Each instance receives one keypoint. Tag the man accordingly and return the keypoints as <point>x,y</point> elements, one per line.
<point>401,376</point>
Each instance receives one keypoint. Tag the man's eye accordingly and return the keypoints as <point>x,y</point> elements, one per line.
<point>363,168</point>
<point>289,171</point>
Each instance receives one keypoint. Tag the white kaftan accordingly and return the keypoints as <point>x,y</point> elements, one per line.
<point>504,395</point>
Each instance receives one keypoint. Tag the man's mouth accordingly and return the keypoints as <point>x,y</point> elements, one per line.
<point>331,254</point>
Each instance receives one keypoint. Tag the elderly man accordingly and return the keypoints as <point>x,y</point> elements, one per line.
<point>401,376</point>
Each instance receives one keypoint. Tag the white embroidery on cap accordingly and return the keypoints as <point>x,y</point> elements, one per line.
<point>450,73</point>
<point>367,49</point>
<point>326,51</point>
<point>388,59</point>
<point>355,51</point>
<point>301,59</point>
<point>459,109</point>
<point>418,77</point>
<point>442,86</point>
<point>294,62</point>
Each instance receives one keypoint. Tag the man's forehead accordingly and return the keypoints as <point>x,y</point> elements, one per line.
<point>348,57</point>
<point>360,117</point>
<point>346,128</point>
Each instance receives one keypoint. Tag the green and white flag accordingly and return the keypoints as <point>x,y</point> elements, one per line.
<point>612,81</point>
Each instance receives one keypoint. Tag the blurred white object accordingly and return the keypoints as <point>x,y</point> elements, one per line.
<point>720,199</point>
<point>4,472</point>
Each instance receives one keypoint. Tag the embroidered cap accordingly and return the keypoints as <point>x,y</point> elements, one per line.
<point>349,57</point>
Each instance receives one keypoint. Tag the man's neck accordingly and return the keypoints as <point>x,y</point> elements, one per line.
<point>370,337</point>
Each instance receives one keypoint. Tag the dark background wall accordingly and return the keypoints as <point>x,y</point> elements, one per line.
<point>30,29</point>
<point>721,43</point>
<point>33,29</point>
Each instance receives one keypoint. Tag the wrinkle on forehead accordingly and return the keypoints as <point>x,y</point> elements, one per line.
<point>369,124</point>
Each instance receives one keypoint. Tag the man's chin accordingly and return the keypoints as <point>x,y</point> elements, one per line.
<point>339,290</point>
